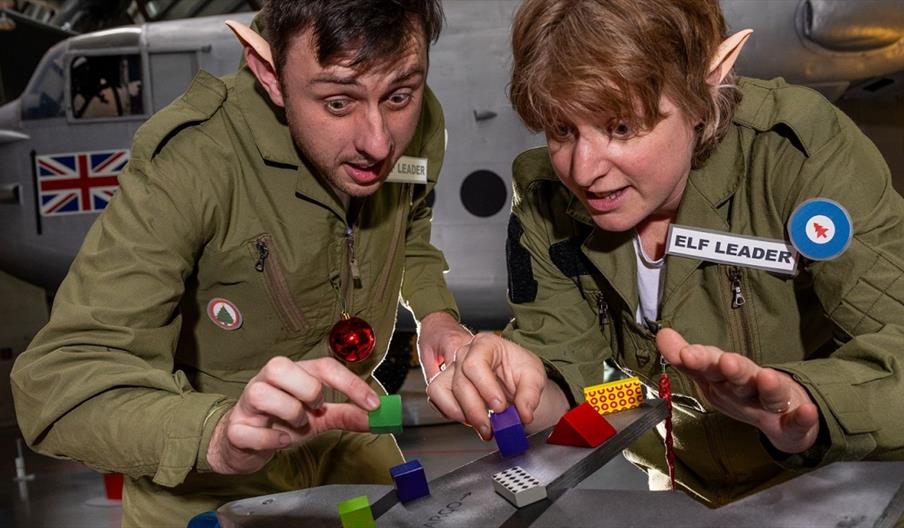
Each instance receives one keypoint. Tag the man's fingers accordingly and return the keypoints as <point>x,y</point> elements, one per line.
<point>431,366</point>
<point>439,338</point>
<point>292,393</point>
<point>262,398</point>
<point>289,376</point>
<point>250,438</point>
<point>341,416</point>
<point>334,374</point>
<point>670,343</point>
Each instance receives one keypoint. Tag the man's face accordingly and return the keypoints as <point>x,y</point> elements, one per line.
<point>623,177</point>
<point>353,126</point>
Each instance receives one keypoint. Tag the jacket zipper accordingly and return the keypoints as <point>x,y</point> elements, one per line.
<point>350,255</point>
<point>268,263</point>
<point>739,313</point>
<point>738,322</point>
<point>352,274</point>
<point>602,309</point>
<point>383,283</point>
<point>737,297</point>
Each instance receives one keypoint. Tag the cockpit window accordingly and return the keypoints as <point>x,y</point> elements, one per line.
<point>43,98</point>
<point>106,86</point>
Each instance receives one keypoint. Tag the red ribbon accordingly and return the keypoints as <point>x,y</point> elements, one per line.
<point>665,393</point>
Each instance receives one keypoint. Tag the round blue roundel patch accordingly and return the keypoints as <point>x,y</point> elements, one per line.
<point>820,229</point>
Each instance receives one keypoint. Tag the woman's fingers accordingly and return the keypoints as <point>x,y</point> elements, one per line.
<point>439,394</point>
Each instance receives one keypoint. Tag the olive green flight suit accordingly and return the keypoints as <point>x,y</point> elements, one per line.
<point>131,374</point>
<point>837,326</point>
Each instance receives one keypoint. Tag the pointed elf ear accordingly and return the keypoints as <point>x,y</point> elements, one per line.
<point>259,60</point>
<point>726,56</point>
<point>252,41</point>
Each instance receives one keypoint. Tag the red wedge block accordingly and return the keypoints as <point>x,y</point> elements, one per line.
<point>581,427</point>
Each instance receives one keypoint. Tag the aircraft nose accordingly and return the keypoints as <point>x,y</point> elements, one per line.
<point>853,26</point>
<point>9,120</point>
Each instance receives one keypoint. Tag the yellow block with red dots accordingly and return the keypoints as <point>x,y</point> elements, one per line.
<point>615,396</point>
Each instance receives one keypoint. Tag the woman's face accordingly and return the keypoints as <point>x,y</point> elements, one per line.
<point>625,176</point>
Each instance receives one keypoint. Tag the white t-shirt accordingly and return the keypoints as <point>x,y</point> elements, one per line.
<point>649,284</point>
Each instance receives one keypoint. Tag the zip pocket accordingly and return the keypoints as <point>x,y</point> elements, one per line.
<point>268,263</point>
<point>738,313</point>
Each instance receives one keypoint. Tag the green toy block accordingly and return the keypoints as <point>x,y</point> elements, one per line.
<point>356,513</point>
<point>388,418</point>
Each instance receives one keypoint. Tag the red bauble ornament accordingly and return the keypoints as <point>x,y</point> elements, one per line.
<point>352,339</point>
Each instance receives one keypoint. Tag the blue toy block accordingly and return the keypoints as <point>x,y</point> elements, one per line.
<point>204,520</point>
<point>410,479</point>
<point>509,432</point>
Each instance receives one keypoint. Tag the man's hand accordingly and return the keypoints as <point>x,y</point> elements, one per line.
<point>487,374</point>
<point>283,405</point>
<point>438,340</point>
<point>768,399</point>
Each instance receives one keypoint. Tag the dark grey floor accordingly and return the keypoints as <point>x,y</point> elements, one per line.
<point>67,494</point>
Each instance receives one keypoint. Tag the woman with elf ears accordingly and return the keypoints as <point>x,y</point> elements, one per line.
<point>740,236</point>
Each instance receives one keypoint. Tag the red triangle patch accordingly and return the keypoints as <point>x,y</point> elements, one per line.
<point>581,427</point>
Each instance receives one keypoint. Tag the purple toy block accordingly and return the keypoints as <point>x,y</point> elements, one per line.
<point>506,418</point>
<point>410,479</point>
<point>509,432</point>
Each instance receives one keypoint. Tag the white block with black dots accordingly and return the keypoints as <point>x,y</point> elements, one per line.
<point>518,486</point>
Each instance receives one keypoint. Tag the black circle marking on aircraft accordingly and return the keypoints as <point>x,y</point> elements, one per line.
<point>483,193</point>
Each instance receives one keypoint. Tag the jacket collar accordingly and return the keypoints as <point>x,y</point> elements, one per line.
<point>270,132</point>
<point>266,121</point>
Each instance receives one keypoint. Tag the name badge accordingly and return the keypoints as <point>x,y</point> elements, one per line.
<point>752,252</point>
<point>409,170</point>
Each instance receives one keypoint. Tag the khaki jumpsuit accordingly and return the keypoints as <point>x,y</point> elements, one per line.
<point>131,374</point>
<point>837,326</point>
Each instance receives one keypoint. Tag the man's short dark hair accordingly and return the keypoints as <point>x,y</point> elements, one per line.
<point>368,31</point>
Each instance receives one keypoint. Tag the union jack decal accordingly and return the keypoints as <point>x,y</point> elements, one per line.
<point>80,182</point>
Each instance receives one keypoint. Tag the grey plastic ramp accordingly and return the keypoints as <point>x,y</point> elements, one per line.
<point>462,497</point>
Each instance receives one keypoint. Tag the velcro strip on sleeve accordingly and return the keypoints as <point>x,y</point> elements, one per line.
<point>567,256</point>
<point>522,284</point>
